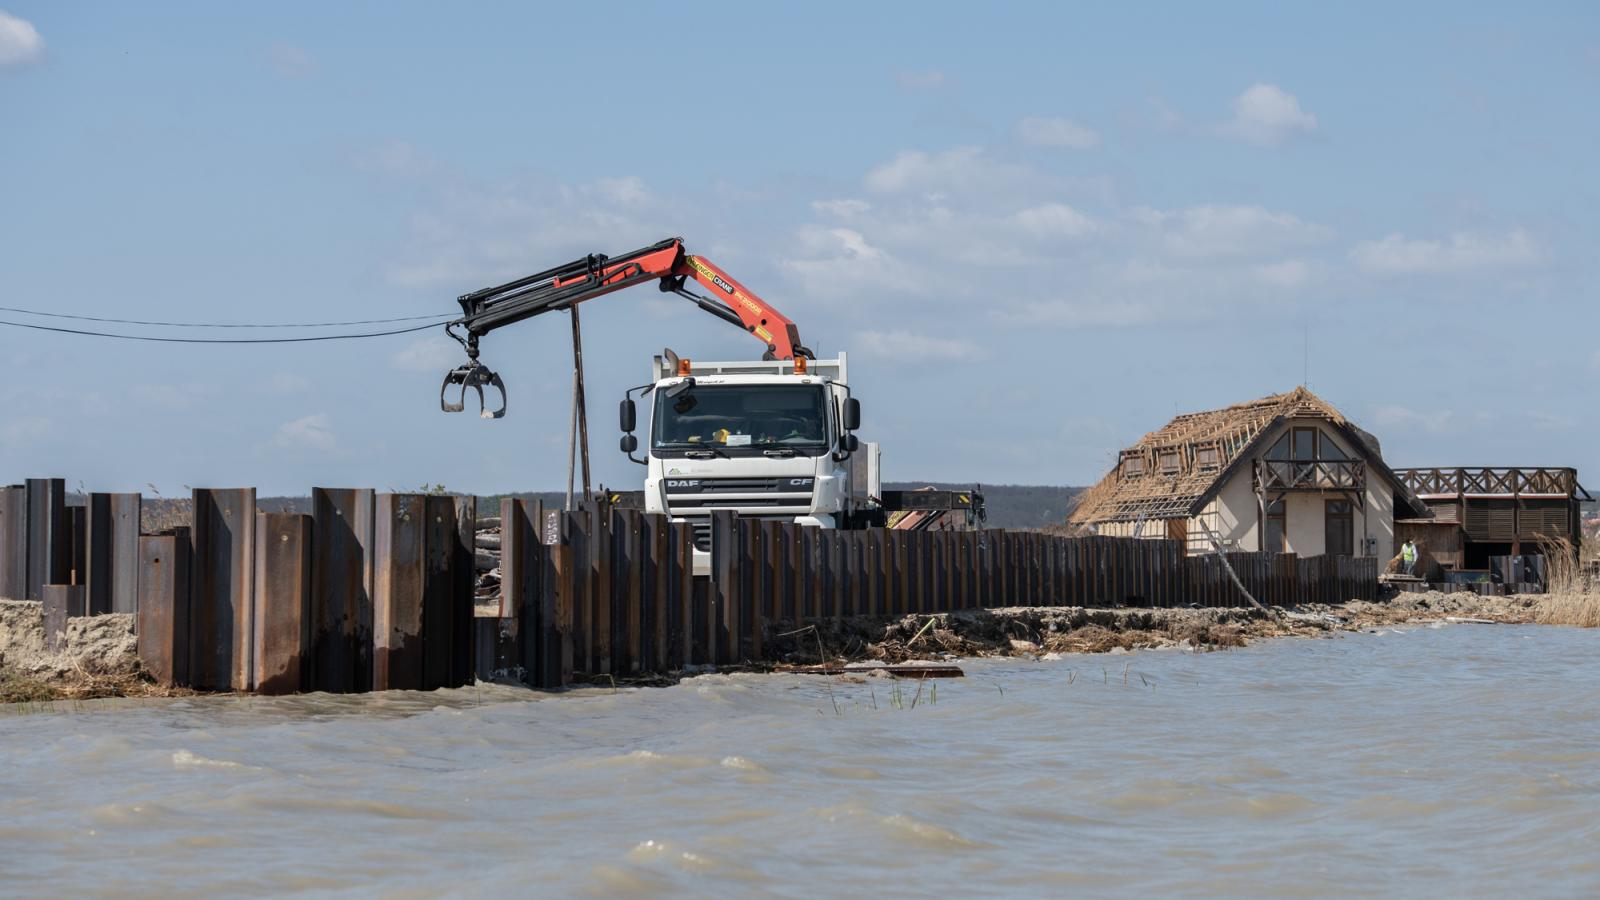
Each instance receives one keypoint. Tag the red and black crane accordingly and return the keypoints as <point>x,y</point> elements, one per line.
<point>596,275</point>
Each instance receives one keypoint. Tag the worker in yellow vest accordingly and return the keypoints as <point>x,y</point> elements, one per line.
<point>1408,556</point>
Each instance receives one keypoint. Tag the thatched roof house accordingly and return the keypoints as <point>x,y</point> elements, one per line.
<point>1287,472</point>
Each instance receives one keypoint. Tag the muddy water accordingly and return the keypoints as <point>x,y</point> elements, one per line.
<point>1455,760</point>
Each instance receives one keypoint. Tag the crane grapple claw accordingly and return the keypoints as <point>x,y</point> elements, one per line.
<point>474,376</point>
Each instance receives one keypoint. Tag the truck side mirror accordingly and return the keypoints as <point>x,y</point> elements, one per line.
<point>628,414</point>
<point>852,414</point>
<point>629,443</point>
<point>850,443</point>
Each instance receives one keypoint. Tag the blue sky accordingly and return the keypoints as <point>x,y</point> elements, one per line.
<point>1039,229</point>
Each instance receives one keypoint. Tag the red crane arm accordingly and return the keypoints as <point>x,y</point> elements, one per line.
<point>565,286</point>
<point>595,275</point>
<point>758,317</point>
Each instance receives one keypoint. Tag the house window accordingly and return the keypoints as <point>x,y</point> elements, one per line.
<point>1207,459</point>
<point>1305,444</point>
<point>1132,466</point>
<point>1339,523</point>
<point>1275,538</point>
<point>1169,462</point>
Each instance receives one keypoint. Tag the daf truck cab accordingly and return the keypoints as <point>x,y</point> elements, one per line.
<point>768,439</point>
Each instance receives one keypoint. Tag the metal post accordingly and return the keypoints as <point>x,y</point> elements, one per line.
<point>572,441</point>
<point>581,401</point>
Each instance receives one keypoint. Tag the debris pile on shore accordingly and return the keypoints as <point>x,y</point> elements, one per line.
<point>1037,631</point>
<point>99,657</point>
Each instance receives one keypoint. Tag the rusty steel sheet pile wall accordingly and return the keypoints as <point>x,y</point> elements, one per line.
<point>376,591</point>
<point>422,592</point>
<point>163,619</point>
<point>222,589</point>
<point>109,567</point>
<point>242,600</point>
<point>596,592</point>
<point>599,592</point>
<point>49,536</point>
<point>280,634</point>
<point>14,542</point>
<point>342,537</point>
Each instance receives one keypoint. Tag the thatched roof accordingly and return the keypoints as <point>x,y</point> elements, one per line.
<point>1207,447</point>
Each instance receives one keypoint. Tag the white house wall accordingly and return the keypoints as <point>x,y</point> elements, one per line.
<point>1233,514</point>
<point>1236,513</point>
<point>1380,516</point>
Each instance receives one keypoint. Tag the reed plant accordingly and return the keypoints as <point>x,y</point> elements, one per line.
<point>1571,595</point>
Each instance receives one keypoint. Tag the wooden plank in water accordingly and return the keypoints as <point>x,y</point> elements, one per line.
<point>910,670</point>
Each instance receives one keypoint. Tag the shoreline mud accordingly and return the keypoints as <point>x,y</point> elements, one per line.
<point>1040,631</point>
<point>98,657</point>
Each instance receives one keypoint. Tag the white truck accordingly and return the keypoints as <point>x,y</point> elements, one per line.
<point>766,439</point>
<point>773,438</point>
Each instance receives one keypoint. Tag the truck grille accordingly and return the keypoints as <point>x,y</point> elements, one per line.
<point>802,485</point>
<point>773,496</point>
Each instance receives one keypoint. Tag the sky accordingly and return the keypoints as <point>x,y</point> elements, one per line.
<point>1039,230</point>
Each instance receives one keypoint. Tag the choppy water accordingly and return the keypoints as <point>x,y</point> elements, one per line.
<point>1455,760</point>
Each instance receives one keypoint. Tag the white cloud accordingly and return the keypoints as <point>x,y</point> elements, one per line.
<point>1286,274</point>
<point>481,233</point>
<point>1063,133</point>
<point>287,383</point>
<point>172,397</point>
<point>960,169</point>
<point>628,191</point>
<point>907,345</point>
<point>841,209</point>
<point>291,61</point>
<point>832,263</point>
<point>1406,418</point>
<point>1217,231</point>
<point>309,433</point>
<point>929,80</point>
<point>1267,115</point>
<point>20,43</point>
<point>432,354</point>
<point>1086,311</point>
<point>1054,220</point>
<point>1460,252</point>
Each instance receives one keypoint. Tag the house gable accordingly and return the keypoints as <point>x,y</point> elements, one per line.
<point>1175,471</point>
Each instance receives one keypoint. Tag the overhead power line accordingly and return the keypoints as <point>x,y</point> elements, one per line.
<point>182,340</point>
<point>36,312</point>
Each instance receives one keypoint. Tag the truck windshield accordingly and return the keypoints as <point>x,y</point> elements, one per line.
<point>732,416</point>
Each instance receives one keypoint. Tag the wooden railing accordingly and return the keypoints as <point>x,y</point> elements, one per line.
<point>1509,482</point>
<point>1311,475</point>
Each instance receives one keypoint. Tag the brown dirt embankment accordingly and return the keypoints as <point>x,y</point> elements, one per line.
<point>98,658</point>
<point>1019,631</point>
